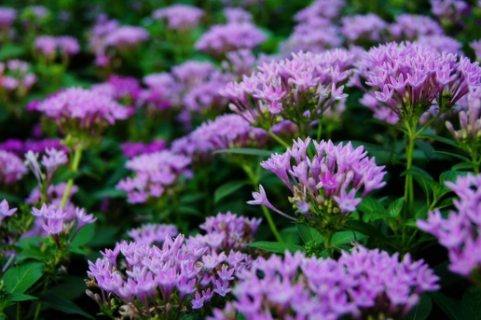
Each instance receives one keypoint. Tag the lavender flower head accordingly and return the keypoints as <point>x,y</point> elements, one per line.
<point>225,132</point>
<point>237,15</point>
<point>7,17</point>
<point>411,26</point>
<point>359,28</point>
<point>162,93</point>
<point>449,11</point>
<point>126,37</point>
<point>221,39</point>
<point>15,77</point>
<point>408,78</point>
<point>179,273</point>
<point>441,43</point>
<point>299,89</point>
<point>54,219</point>
<point>240,62</point>
<point>180,17</point>
<point>132,149</point>
<point>12,168</point>
<point>364,284</point>
<point>122,89</point>
<point>327,187</point>
<point>476,46</point>
<point>5,210</point>
<point>156,174</point>
<point>458,231</point>
<point>153,233</point>
<point>83,110</point>
<point>328,9</point>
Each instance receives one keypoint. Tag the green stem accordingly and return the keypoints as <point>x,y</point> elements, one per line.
<point>474,160</point>
<point>255,180</point>
<point>408,187</point>
<point>327,241</point>
<point>74,168</point>
<point>39,305</point>
<point>278,139</point>
<point>319,130</point>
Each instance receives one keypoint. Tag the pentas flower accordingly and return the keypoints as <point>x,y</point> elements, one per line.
<point>237,15</point>
<point>132,149</point>
<point>126,37</point>
<point>458,231</point>
<point>7,17</point>
<point>193,73</point>
<point>5,210</point>
<point>327,187</point>
<point>411,26</point>
<point>48,46</point>
<point>155,174</point>
<point>122,89</point>
<point>362,28</point>
<point>476,46</point>
<point>441,43</point>
<point>162,93</point>
<point>153,233</point>
<point>225,132</point>
<point>15,78</point>
<point>220,39</point>
<point>240,62</point>
<point>12,168</point>
<point>314,35</point>
<point>180,17</point>
<point>364,284</point>
<point>449,11</point>
<point>299,89</point>
<point>181,275</point>
<point>408,78</point>
<point>20,147</point>
<point>82,110</point>
<point>328,9</point>
<point>52,160</point>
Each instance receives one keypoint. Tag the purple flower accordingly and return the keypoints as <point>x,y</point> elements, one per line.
<point>153,233</point>
<point>450,11</point>
<point>362,284</point>
<point>126,37</point>
<point>328,9</point>
<point>83,218</point>
<point>5,211</point>
<point>11,168</point>
<point>410,27</point>
<point>476,46</point>
<point>221,39</point>
<point>307,85</point>
<point>180,17</point>
<point>237,15</point>
<point>47,46</point>
<point>155,173</point>
<point>7,17</point>
<point>53,159</point>
<point>458,231</point>
<point>441,43</point>
<point>417,76</point>
<point>327,183</point>
<point>132,149</point>
<point>369,27</point>
<point>82,109</point>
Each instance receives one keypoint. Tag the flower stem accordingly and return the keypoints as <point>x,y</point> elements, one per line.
<point>255,180</point>
<point>74,168</point>
<point>327,241</point>
<point>278,139</point>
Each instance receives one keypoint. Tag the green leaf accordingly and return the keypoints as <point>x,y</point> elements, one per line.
<point>454,155</point>
<point>227,189</point>
<point>246,151</point>
<point>426,148</point>
<point>21,278</point>
<point>422,310</point>
<point>191,197</point>
<point>343,237</point>
<point>439,189</point>
<point>451,307</point>
<point>372,207</point>
<point>395,208</point>
<point>63,305</point>
<point>367,229</point>
<point>464,166</point>
<point>471,304</point>
<point>9,51</point>
<point>77,250</point>
<point>417,172</point>
<point>309,234</point>
<point>451,176</point>
<point>190,211</point>
<point>109,193</point>
<point>21,297</point>
<point>439,138</point>
<point>84,236</point>
<point>276,247</point>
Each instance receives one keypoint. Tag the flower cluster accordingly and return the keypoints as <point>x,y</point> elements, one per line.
<point>5,210</point>
<point>153,233</point>
<point>441,43</point>
<point>180,17</point>
<point>327,9</point>
<point>82,110</point>
<point>411,26</point>
<point>449,11</point>
<point>125,90</point>
<point>458,232</point>
<point>7,17</point>
<point>52,160</point>
<point>327,187</point>
<point>237,15</point>
<point>20,147</point>
<point>155,174</point>
<point>132,149</point>
<point>299,89</point>
<point>162,93</point>
<point>53,219</point>
<point>11,168</point>
<point>408,78</point>
<point>369,27</point>
<point>15,78</point>
<point>221,39</point>
<point>48,46</point>
<point>225,132</point>
<point>364,284</point>
<point>181,274</point>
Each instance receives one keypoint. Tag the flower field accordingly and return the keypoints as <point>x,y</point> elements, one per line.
<point>240,160</point>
